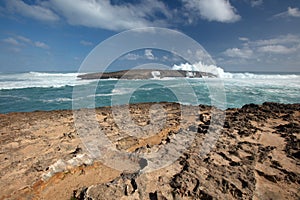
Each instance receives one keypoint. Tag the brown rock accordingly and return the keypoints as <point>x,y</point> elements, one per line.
<point>248,161</point>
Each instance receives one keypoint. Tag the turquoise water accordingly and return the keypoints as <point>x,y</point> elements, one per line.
<point>24,92</point>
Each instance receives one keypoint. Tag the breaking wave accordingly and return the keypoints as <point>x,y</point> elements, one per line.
<point>219,72</point>
<point>39,79</point>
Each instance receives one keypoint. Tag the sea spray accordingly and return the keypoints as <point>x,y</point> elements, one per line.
<point>219,72</point>
<point>201,67</point>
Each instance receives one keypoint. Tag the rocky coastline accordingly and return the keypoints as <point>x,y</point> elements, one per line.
<point>145,74</point>
<point>256,155</point>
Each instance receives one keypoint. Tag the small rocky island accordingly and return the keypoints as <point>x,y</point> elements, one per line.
<point>146,74</point>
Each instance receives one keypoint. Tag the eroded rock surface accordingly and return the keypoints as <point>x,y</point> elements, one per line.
<point>254,156</point>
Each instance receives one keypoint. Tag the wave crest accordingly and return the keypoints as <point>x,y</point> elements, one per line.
<point>219,72</point>
<point>39,79</point>
<point>200,67</point>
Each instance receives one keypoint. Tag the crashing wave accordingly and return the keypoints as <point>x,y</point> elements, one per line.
<point>155,74</point>
<point>200,67</point>
<point>219,72</point>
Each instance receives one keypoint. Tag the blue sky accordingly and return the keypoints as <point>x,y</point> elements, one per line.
<point>240,35</point>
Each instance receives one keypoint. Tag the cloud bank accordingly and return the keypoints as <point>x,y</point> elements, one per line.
<point>281,50</point>
<point>123,15</point>
<point>102,14</point>
<point>33,11</point>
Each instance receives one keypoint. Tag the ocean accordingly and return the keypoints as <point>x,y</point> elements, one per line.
<point>31,91</point>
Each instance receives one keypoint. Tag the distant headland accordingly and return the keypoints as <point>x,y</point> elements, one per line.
<point>146,74</point>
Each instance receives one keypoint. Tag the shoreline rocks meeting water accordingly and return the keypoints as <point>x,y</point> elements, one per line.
<point>146,74</point>
<point>255,155</point>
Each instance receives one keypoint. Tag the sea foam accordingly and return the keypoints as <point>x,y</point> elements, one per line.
<point>39,79</point>
<point>219,72</point>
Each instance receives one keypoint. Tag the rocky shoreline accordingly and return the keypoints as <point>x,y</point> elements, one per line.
<point>255,156</point>
<point>146,74</point>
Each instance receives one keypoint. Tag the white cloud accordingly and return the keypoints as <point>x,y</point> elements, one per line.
<point>33,11</point>
<point>277,49</point>
<point>102,14</point>
<point>41,45</point>
<point>11,41</point>
<point>283,44</point>
<point>132,56</point>
<point>23,39</point>
<point>86,43</point>
<point>291,12</point>
<point>284,39</point>
<point>239,53</point>
<point>256,2</point>
<point>149,55</point>
<point>243,39</point>
<point>165,58</point>
<point>213,10</point>
<point>282,50</point>
<point>95,13</point>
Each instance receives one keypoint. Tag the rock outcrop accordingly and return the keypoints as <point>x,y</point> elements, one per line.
<point>255,155</point>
